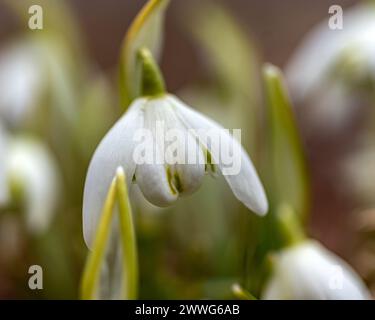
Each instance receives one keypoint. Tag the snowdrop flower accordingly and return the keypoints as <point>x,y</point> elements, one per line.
<point>28,68</point>
<point>329,63</point>
<point>308,271</point>
<point>32,177</point>
<point>162,183</point>
<point>21,76</point>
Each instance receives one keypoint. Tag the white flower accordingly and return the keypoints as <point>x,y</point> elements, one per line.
<point>160,183</point>
<point>29,67</point>
<point>21,76</point>
<point>329,62</point>
<point>30,172</point>
<point>308,271</point>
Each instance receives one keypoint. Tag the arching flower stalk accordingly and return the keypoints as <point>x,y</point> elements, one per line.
<point>137,144</point>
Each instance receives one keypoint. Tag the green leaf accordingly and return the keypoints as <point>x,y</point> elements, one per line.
<point>233,58</point>
<point>117,196</point>
<point>242,294</point>
<point>130,256</point>
<point>233,70</point>
<point>90,278</point>
<point>288,178</point>
<point>145,31</point>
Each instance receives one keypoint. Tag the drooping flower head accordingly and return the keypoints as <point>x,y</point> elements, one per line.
<point>308,271</point>
<point>166,148</point>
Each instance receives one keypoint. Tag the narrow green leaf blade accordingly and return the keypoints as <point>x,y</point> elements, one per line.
<point>145,31</point>
<point>90,278</point>
<point>128,238</point>
<point>289,179</point>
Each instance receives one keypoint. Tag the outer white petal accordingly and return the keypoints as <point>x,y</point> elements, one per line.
<point>245,185</point>
<point>116,149</point>
<point>309,271</point>
<point>32,167</point>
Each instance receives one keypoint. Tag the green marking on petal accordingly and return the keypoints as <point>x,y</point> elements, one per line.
<point>170,178</point>
<point>177,182</point>
<point>209,166</point>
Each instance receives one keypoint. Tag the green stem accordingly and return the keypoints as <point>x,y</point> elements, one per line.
<point>289,225</point>
<point>152,82</point>
<point>130,258</point>
<point>92,268</point>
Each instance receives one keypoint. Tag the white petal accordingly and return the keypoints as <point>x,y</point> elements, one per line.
<point>190,176</point>
<point>154,176</point>
<point>309,271</point>
<point>116,149</point>
<point>245,185</point>
<point>179,165</point>
<point>187,165</point>
<point>155,183</point>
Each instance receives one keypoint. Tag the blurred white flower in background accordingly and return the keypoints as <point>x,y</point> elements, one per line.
<point>31,167</point>
<point>31,67</point>
<point>308,271</point>
<point>21,80</point>
<point>29,175</point>
<point>331,69</point>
